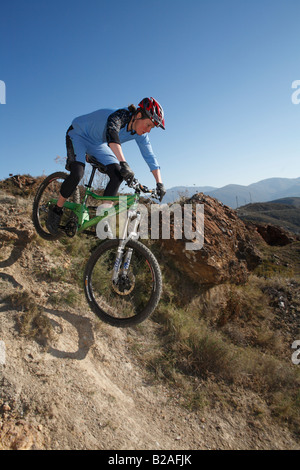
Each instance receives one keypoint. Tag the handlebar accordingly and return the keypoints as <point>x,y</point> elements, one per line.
<point>138,188</point>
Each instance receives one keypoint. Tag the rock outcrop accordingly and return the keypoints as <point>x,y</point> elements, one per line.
<point>274,235</point>
<point>228,252</point>
<point>21,185</point>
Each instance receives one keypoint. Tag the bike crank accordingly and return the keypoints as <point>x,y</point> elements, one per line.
<point>70,228</point>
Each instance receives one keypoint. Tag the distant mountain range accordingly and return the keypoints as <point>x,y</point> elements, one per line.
<point>234,195</point>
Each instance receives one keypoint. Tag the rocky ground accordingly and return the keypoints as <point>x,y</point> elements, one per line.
<point>86,388</point>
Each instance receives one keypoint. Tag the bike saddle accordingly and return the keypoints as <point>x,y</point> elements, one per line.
<point>94,162</point>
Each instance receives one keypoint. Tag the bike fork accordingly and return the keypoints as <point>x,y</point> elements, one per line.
<point>121,248</point>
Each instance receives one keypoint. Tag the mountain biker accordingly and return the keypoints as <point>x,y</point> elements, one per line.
<point>101,134</point>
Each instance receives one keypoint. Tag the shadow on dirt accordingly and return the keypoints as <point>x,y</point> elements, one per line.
<point>84,333</point>
<point>19,240</point>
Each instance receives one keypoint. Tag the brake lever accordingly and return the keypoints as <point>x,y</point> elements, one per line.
<point>144,189</point>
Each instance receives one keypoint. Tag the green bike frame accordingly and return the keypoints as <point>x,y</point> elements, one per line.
<point>82,211</point>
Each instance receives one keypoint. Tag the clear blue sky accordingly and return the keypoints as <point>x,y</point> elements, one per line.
<point>222,69</point>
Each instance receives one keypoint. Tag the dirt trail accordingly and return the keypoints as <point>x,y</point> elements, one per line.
<point>87,389</point>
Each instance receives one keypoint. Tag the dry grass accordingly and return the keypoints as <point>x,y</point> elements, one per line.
<point>232,335</point>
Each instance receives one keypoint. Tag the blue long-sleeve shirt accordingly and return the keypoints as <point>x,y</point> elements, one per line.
<point>105,126</point>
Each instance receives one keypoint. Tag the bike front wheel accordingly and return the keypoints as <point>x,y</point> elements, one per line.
<point>131,298</point>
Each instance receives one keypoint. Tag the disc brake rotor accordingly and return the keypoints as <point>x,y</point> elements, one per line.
<point>124,285</point>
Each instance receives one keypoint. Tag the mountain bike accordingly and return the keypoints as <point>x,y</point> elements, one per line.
<point>122,278</point>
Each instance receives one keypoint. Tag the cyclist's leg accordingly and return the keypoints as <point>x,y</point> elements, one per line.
<point>73,179</point>
<point>70,149</point>
<point>104,229</point>
<point>76,150</point>
<point>115,179</point>
<point>103,153</point>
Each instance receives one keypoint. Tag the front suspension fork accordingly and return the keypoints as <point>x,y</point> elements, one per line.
<point>118,268</point>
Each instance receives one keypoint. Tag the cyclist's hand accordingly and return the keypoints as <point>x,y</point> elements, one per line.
<point>160,189</point>
<point>126,172</point>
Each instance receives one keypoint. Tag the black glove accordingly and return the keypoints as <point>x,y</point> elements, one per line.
<point>126,172</point>
<point>160,189</point>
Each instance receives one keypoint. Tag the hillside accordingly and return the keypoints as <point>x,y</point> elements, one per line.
<point>283,212</point>
<point>210,370</point>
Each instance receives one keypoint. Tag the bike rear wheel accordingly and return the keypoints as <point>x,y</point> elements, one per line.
<point>49,190</point>
<point>131,299</point>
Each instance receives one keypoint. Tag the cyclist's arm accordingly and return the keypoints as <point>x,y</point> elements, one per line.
<point>145,147</point>
<point>115,122</point>
<point>157,175</point>
<point>151,160</point>
<point>117,149</point>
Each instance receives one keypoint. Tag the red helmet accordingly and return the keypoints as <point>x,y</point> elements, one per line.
<point>153,111</point>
